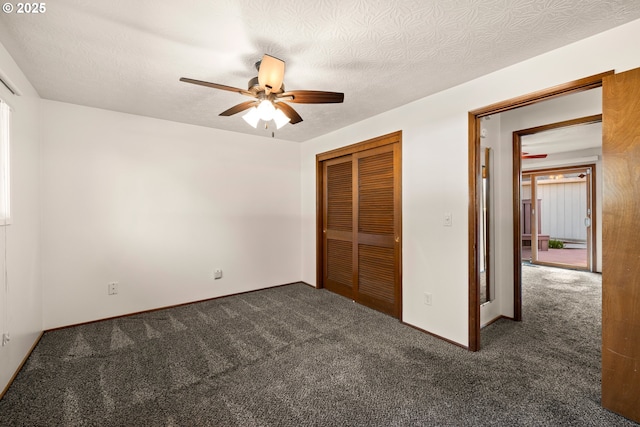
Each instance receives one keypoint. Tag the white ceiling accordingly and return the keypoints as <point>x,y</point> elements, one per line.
<point>562,140</point>
<point>128,55</point>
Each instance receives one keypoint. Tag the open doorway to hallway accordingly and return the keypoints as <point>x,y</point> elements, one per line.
<point>562,145</point>
<point>557,230</point>
<point>559,198</point>
<point>619,105</point>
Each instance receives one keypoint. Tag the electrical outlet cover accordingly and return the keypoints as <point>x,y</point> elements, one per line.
<point>112,288</point>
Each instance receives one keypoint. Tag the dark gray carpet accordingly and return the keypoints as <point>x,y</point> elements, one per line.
<point>296,356</point>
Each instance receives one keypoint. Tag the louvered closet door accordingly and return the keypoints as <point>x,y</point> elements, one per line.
<point>362,227</point>
<point>377,256</point>
<point>338,226</point>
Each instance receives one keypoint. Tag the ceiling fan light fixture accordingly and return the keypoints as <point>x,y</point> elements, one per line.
<point>266,110</point>
<point>271,73</point>
<point>269,99</point>
<point>252,117</point>
<point>280,118</point>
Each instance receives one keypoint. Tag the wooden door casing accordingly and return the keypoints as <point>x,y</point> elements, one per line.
<point>474,121</point>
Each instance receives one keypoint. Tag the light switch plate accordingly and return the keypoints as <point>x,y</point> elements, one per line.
<point>448,219</point>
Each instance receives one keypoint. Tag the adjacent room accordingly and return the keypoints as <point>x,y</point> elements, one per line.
<point>317,213</point>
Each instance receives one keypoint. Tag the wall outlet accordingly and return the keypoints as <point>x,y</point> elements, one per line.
<point>217,273</point>
<point>6,338</point>
<point>427,298</point>
<point>112,288</point>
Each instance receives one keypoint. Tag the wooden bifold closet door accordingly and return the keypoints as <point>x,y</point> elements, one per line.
<point>361,227</point>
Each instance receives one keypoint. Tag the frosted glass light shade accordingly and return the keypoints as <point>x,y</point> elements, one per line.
<point>266,110</point>
<point>252,117</point>
<point>280,118</point>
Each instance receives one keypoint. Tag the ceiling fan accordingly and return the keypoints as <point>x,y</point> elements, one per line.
<point>269,96</point>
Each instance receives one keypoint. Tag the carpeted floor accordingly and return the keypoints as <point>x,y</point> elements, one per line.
<point>296,356</point>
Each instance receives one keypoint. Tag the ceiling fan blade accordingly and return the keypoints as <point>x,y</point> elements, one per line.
<point>313,97</point>
<point>217,86</point>
<point>289,112</point>
<point>238,108</point>
<point>271,73</point>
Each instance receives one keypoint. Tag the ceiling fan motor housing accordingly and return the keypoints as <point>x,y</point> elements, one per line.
<point>254,86</point>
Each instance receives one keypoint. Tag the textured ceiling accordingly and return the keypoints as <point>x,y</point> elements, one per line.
<point>128,55</point>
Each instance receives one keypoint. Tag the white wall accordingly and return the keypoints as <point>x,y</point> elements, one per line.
<point>435,171</point>
<point>23,302</point>
<point>156,206</point>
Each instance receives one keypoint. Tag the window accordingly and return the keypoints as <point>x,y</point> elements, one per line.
<point>5,172</point>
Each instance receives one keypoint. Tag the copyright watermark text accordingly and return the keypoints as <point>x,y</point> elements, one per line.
<point>26,8</point>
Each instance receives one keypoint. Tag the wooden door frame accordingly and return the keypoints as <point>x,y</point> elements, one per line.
<point>474,117</point>
<point>388,139</point>
<point>591,201</point>
<point>517,183</point>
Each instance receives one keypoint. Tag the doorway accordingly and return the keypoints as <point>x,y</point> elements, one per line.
<point>565,222</point>
<point>558,229</point>
<point>475,118</point>
<point>528,217</point>
<point>359,223</point>
<point>621,101</point>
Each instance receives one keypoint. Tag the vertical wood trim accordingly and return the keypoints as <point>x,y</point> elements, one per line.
<point>319,224</point>
<point>535,218</point>
<point>474,275</point>
<point>488,228</point>
<point>325,204</point>
<point>517,227</point>
<point>355,208</point>
<point>591,210</point>
<point>592,207</point>
<point>397,203</point>
<point>594,218</point>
